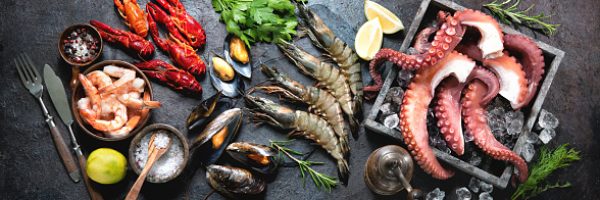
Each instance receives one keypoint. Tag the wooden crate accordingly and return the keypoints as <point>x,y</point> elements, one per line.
<point>425,15</point>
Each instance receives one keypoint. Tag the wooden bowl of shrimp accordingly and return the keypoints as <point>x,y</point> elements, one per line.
<point>112,100</point>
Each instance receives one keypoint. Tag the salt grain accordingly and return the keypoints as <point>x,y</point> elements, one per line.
<point>168,164</point>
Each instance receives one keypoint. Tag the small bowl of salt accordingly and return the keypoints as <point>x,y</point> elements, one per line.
<point>168,166</point>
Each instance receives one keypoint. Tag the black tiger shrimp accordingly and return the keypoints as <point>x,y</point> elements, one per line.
<point>327,75</point>
<point>305,124</point>
<point>320,101</point>
<point>338,50</point>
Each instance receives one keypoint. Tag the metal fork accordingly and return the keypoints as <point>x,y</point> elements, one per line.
<point>33,82</point>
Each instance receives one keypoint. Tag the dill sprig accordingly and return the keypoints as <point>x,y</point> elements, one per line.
<point>548,162</point>
<point>320,180</point>
<point>508,13</point>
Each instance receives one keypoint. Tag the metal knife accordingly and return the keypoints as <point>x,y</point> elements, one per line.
<point>61,104</point>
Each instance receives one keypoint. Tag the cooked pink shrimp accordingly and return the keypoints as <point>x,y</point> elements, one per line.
<point>86,110</point>
<point>137,85</point>
<point>117,113</point>
<point>124,75</point>
<point>90,90</point>
<point>129,126</point>
<point>133,100</point>
<point>99,79</point>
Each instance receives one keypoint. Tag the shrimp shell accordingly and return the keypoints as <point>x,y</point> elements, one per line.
<point>326,74</point>
<point>315,128</point>
<point>339,51</point>
<point>320,101</point>
<point>305,124</point>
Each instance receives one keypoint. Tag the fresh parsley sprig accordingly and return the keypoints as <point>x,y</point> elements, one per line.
<point>548,162</point>
<point>508,13</point>
<point>258,20</point>
<point>320,180</point>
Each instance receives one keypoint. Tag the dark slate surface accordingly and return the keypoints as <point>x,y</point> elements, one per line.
<point>29,165</point>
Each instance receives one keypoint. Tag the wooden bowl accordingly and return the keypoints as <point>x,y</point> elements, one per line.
<point>63,36</point>
<point>76,65</point>
<point>79,93</point>
<point>149,130</point>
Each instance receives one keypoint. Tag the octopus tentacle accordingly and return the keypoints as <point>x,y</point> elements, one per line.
<point>491,42</point>
<point>530,57</point>
<point>447,109</point>
<point>444,41</point>
<point>513,84</point>
<point>422,43</point>
<point>416,101</point>
<point>476,123</point>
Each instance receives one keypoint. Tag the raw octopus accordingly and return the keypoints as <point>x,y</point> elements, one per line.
<point>450,60</point>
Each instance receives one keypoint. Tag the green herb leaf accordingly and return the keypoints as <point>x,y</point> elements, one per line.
<point>258,20</point>
<point>548,162</point>
<point>320,180</point>
<point>520,16</point>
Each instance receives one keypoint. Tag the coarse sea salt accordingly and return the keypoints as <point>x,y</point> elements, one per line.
<point>168,164</point>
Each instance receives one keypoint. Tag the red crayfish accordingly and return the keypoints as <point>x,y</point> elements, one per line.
<point>181,26</point>
<point>181,53</point>
<point>176,78</point>
<point>129,40</point>
<point>133,15</point>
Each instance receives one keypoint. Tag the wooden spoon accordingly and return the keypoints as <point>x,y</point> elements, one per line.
<point>154,152</point>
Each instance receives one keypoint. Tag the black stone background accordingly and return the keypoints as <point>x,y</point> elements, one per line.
<point>30,168</point>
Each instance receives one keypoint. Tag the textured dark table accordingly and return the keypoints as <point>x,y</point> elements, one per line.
<point>30,168</point>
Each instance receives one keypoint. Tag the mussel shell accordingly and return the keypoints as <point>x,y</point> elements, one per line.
<point>233,182</point>
<point>231,88</point>
<point>206,110</point>
<point>230,120</point>
<point>243,69</point>
<point>241,152</point>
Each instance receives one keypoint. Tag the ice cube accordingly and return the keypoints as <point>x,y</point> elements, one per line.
<point>463,193</point>
<point>436,194</point>
<point>514,122</point>
<point>546,135</point>
<point>527,151</point>
<point>391,121</point>
<point>499,135</point>
<point>497,111</point>
<point>395,96</point>
<point>485,196</point>
<point>532,138</point>
<point>486,187</point>
<point>547,120</point>
<point>496,123</point>
<point>404,77</point>
<point>386,109</point>
<point>475,159</point>
<point>474,184</point>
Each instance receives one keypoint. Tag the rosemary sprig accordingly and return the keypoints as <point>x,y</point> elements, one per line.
<point>548,162</point>
<point>320,180</point>
<point>504,11</point>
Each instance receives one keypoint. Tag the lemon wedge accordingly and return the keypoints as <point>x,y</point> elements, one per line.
<point>390,23</point>
<point>368,39</point>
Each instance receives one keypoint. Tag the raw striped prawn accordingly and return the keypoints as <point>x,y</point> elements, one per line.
<point>305,124</point>
<point>327,75</point>
<point>338,50</point>
<point>320,101</point>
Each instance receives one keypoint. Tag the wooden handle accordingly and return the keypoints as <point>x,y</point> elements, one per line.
<point>94,195</point>
<point>63,151</point>
<point>137,186</point>
<point>74,77</point>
